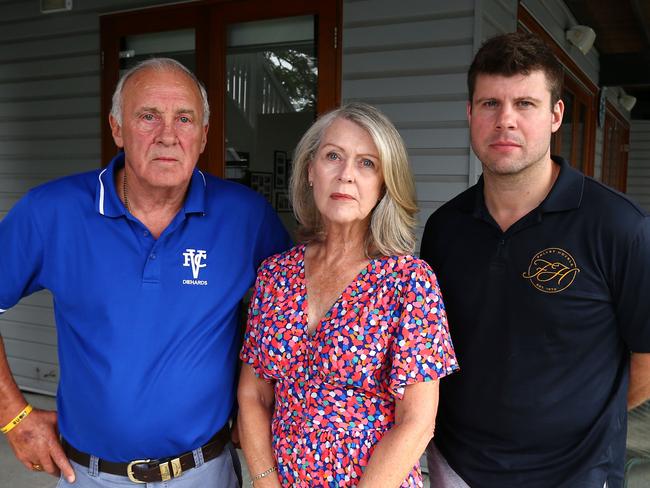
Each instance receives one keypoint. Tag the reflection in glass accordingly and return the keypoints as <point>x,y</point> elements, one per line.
<point>566,129</point>
<point>271,81</point>
<point>578,161</point>
<point>179,45</point>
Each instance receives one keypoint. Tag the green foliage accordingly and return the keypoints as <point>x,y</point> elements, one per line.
<point>297,71</point>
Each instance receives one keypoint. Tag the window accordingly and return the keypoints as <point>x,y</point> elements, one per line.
<point>616,138</point>
<point>575,140</point>
<point>259,61</point>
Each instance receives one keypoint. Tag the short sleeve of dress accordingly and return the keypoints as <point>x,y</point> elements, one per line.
<point>250,352</point>
<point>422,349</point>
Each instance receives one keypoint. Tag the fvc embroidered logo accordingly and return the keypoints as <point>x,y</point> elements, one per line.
<point>552,270</point>
<point>195,258</point>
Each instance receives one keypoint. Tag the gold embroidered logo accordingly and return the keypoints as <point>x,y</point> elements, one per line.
<point>551,270</point>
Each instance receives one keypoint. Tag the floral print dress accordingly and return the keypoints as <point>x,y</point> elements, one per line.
<point>335,389</point>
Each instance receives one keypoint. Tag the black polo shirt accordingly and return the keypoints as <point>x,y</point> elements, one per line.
<point>543,317</point>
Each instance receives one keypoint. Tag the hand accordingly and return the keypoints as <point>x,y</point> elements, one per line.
<point>35,443</point>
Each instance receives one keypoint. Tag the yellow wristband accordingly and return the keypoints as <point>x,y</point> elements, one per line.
<point>17,419</point>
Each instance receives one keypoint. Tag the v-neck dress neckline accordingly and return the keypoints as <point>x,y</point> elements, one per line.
<point>302,249</point>
<point>335,392</point>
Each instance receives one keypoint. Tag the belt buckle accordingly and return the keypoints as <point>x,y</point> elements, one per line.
<point>129,469</point>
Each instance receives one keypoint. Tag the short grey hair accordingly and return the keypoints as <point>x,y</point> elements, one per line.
<point>392,223</point>
<point>157,64</point>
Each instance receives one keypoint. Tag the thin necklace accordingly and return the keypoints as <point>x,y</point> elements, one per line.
<point>125,191</point>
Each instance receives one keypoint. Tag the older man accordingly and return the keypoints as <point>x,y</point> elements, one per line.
<point>147,261</point>
<point>543,271</point>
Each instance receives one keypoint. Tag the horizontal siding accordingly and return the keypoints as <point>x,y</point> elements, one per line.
<point>410,60</point>
<point>68,146</point>
<point>366,12</point>
<point>46,26</point>
<point>638,172</point>
<point>31,350</point>
<point>69,87</point>
<point>498,17</point>
<point>428,164</point>
<point>30,341</point>
<point>49,127</point>
<point>35,374</point>
<point>52,166</point>
<point>407,60</point>
<point>41,332</point>
<point>405,34</point>
<point>49,69</point>
<point>555,18</point>
<point>66,106</point>
<point>425,112</point>
<point>42,127</point>
<point>493,17</point>
<point>49,48</point>
<point>443,87</point>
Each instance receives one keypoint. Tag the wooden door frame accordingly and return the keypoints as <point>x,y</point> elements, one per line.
<point>577,81</point>
<point>209,19</point>
<point>613,115</point>
<point>589,126</point>
<point>115,26</point>
<point>328,44</point>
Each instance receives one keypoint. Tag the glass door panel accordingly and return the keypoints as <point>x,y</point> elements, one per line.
<point>566,129</point>
<point>177,44</point>
<point>579,139</point>
<point>271,95</point>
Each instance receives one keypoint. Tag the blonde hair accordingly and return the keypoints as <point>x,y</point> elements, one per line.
<point>392,223</point>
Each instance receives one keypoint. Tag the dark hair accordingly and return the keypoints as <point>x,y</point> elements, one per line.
<point>517,53</point>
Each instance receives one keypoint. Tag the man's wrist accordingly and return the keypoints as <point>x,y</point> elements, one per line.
<point>17,419</point>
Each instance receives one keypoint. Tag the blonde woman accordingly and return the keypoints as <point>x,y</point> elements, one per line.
<point>347,334</point>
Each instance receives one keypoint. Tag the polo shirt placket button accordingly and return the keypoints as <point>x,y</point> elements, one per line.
<point>152,266</point>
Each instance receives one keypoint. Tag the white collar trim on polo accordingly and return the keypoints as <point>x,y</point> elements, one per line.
<point>101,192</point>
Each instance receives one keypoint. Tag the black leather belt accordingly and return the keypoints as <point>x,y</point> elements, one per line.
<point>153,470</point>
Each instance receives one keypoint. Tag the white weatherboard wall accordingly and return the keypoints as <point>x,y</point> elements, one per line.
<point>410,61</point>
<point>49,127</point>
<point>555,18</point>
<point>409,58</point>
<point>498,17</point>
<point>638,171</point>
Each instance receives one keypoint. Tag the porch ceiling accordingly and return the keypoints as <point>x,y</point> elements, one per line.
<point>623,41</point>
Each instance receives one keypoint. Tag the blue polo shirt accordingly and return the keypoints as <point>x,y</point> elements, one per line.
<point>147,329</point>
<point>543,317</point>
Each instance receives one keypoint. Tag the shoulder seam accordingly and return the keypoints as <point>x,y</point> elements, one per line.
<point>618,195</point>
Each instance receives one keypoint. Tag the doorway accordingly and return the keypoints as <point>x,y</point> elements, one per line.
<point>270,68</point>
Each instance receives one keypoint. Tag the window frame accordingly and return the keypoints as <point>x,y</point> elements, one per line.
<point>576,82</point>
<point>209,19</point>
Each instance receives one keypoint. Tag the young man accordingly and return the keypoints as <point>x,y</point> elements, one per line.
<point>147,261</point>
<point>542,272</point>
